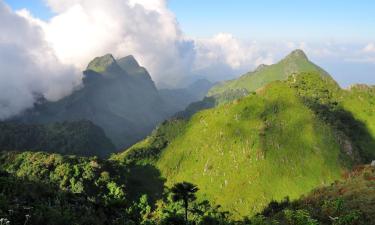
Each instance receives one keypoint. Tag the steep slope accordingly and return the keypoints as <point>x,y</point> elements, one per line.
<point>350,201</point>
<point>359,100</point>
<point>283,140</point>
<point>295,62</point>
<point>79,138</point>
<point>268,146</point>
<point>117,95</point>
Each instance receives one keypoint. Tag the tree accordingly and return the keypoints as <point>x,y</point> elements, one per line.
<point>184,192</point>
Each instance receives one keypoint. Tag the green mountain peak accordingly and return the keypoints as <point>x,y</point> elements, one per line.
<point>128,62</point>
<point>100,64</point>
<point>293,63</point>
<point>297,54</point>
<point>260,67</point>
<point>132,67</point>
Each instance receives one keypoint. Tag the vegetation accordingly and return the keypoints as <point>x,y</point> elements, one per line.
<point>246,145</point>
<point>55,189</point>
<point>184,192</point>
<point>79,138</point>
<point>295,62</point>
<point>349,201</point>
<point>32,198</point>
<point>252,159</point>
<point>228,91</point>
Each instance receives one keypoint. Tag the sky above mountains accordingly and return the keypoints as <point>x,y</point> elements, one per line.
<point>177,40</point>
<point>326,20</point>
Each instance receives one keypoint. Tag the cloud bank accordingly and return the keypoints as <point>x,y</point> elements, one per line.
<point>47,56</point>
<point>28,65</point>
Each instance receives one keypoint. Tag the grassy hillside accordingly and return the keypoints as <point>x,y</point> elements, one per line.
<point>283,140</point>
<point>295,62</point>
<point>268,146</point>
<point>360,101</point>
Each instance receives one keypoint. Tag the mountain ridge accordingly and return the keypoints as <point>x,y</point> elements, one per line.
<point>294,62</point>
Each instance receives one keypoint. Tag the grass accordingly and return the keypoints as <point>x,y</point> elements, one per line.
<point>295,62</point>
<point>268,146</point>
<point>284,140</point>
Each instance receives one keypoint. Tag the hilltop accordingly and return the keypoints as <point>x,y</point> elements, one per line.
<point>282,140</point>
<point>295,62</point>
<point>227,91</point>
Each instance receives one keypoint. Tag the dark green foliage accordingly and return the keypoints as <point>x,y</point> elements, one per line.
<point>80,138</point>
<point>40,203</point>
<point>299,217</point>
<point>99,180</point>
<point>347,202</point>
<point>55,189</point>
<point>275,207</point>
<point>184,192</point>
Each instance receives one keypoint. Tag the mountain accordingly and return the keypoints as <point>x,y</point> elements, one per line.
<point>228,91</point>
<point>79,138</point>
<point>282,140</point>
<point>295,62</point>
<point>295,137</point>
<point>117,95</point>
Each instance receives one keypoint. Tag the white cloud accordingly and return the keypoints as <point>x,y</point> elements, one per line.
<point>83,29</point>
<point>369,48</point>
<point>224,55</point>
<point>28,65</point>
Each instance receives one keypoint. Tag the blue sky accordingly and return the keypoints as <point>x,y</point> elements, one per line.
<point>37,7</point>
<point>319,19</point>
<point>340,20</point>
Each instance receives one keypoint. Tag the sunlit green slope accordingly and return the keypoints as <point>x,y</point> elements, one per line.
<point>284,140</point>
<point>295,62</point>
<point>242,155</point>
<point>263,147</point>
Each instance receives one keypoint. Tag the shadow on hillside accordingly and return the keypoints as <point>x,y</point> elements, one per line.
<point>145,179</point>
<point>347,128</point>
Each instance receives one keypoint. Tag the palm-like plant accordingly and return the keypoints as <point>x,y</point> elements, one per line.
<point>184,192</point>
